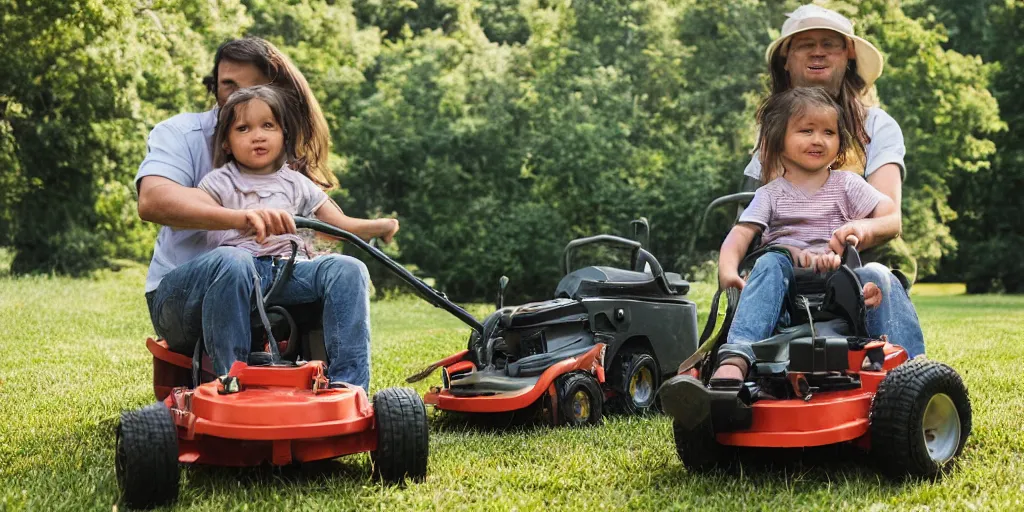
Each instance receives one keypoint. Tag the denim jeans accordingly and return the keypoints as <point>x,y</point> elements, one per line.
<point>211,298</point>
<point>767,297</point>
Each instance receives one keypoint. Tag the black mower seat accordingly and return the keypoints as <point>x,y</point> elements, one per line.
<point>776,348</point>
<point>610,281</point>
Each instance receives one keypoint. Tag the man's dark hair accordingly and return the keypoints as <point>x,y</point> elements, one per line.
<point>313,140</point>
<point>248,50</point>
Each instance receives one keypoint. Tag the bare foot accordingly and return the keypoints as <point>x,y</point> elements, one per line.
<point>872,295</point>
<point>729,371</point>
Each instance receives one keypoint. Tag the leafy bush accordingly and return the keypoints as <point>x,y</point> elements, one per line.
<point>497,130</point>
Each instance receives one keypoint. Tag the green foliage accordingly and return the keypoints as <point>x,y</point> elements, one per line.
<point>496,130</point>
<point>988,226</point>
<point>942,102</point>
<point>83,83</point>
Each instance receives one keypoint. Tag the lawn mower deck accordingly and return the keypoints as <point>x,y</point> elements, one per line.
<point>278,416</point>
<point>269,410</point>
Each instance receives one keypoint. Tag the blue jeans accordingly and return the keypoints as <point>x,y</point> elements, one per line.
<point>211,298</point>
<point>766,299</point>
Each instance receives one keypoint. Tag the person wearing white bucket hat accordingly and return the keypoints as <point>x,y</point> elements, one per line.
<point>834,33</point>
<point>818,48</point>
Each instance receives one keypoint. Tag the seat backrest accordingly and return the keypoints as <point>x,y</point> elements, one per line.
<point>605,281</point>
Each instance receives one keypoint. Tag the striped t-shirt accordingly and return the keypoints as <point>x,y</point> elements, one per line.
<point>788,216</point>
<point>284,189</point>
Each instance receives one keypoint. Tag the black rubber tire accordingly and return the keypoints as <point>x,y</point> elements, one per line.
<point>146,457</point>
<point>627,364</point>
<point>403,442</point>
<point>697,448</point>
<point>566,388</point>
<point>897,413</point>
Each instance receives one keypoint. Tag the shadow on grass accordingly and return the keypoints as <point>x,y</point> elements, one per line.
<point>816,469</point>
<point>525,420</point>
<point>353,470</point>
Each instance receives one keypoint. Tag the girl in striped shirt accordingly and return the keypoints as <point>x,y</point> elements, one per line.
<point>802,137</point>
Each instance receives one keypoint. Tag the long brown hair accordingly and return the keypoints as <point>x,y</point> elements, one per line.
<point>773,116</point>
<point>312,136</point>
<point>849,97</point>
<point>284,114</point>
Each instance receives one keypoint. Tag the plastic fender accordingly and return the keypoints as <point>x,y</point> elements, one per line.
<point>588,361</point>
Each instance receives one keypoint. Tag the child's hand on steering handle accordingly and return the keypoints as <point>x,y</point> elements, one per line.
<point>851,232</point>
<point>266,222</point>
<point>832,259</point>
<point>387,229</point>
<point>730,279</point>
<point>800,257</point>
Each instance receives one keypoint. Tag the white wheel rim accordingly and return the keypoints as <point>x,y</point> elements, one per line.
<point>940,427</point>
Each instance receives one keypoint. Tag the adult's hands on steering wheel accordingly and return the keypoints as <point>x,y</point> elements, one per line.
<point>841,236</point>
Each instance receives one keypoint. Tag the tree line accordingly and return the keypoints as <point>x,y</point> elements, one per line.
<point>497,130</point>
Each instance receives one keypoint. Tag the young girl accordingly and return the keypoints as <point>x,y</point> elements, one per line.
<point>803,136</point>
<point>254,149</point>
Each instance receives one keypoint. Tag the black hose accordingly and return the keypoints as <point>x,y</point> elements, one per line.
<point>197,363</point>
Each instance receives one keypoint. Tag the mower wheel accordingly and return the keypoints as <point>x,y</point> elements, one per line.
<point>635,379</point>
<point>146,457</point>
<point>920,418</point>
<point>580,400</point>
<point>402,436</point>
<point>697,448</point>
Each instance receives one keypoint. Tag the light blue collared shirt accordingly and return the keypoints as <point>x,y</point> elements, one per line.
<point>178,149</point>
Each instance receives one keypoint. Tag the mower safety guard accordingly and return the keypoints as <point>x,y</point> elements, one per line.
<point>284,415</point>
<point>590,361</point>
<point>434,297</point>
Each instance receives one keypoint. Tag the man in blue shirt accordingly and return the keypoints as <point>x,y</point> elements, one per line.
<point>198,292</point>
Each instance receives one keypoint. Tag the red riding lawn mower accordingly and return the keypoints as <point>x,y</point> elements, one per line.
<point>277,408</point>
<point>824,381</point>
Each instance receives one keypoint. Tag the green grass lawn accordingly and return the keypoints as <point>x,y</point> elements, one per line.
<point>72,357</point>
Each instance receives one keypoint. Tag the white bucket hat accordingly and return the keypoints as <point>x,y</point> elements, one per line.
<point>812,17</point>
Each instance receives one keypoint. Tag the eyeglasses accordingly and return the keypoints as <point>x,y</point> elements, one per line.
<point>830,45</point>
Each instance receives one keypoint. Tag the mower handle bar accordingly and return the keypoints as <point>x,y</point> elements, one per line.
<point>739,197</point>
<point>571,247</point>
<point>434,297</point>
<point>638,258</point>
<point>644,226</point>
